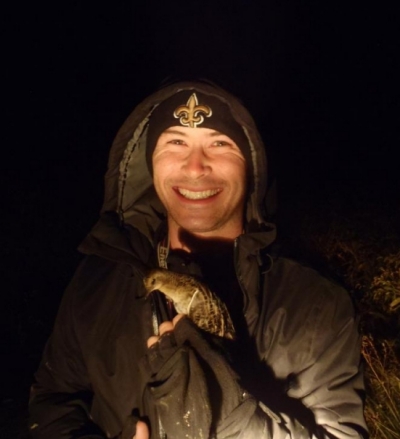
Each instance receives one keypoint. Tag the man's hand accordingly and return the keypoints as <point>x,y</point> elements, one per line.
<point>142,431</point>
<point>164,328</point>
<point>189,380</point>
<point>176,392</point>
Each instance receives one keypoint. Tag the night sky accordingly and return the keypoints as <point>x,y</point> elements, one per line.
<point>320,78</point>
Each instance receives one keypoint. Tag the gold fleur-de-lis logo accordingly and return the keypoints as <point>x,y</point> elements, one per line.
<point>191,114</point>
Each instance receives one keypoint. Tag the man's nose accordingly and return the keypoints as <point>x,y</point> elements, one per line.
<point>196,163</point>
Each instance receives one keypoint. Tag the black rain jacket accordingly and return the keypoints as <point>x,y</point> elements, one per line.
<point>303,375</point>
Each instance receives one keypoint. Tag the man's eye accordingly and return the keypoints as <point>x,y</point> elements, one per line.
<point>176,142</point>
<point>221,143</point>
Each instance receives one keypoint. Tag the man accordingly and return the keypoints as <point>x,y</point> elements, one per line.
<point>185,191</point>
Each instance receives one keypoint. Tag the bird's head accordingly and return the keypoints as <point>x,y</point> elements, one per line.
<point>152,281</point>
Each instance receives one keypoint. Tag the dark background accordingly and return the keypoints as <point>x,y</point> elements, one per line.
<point>320,78</point>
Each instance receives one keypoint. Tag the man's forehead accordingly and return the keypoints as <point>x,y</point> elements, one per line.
<point>186,131</point>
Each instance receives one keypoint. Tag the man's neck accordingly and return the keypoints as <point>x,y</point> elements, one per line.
<point>191,243</point>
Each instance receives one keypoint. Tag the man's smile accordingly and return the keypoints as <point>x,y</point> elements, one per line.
<point>198,195</point>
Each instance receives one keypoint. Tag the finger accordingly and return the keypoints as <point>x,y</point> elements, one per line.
<point>142,431</point>
<point>176,319</point>
<point>166,327</point>
<point>152,340</point>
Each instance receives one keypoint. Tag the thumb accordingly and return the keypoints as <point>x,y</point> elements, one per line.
<point>142,431</point>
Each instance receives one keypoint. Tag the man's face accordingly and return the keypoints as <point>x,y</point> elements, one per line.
<point>200,177</point>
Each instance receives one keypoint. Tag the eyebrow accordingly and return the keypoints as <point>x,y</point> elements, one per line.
<point>181,133</point>
<point>217,133</point>
<point>170,131</point>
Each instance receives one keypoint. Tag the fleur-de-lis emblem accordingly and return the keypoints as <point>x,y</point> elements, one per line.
<point>191,114</point>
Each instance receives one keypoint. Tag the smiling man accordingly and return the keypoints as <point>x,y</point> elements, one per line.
<point>185,193</point>
<point>199,175</point>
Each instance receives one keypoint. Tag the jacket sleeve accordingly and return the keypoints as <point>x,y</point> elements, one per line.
<point>60,398</point>
<point>330,387</point>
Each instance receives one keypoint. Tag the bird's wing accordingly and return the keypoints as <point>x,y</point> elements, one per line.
<point>208,312</point>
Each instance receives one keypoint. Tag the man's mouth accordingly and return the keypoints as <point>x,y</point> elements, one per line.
<point>198,195</point>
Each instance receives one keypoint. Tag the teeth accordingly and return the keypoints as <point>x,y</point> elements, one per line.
<point>201,195</point>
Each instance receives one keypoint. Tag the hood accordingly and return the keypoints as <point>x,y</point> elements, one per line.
<point>129,190</point>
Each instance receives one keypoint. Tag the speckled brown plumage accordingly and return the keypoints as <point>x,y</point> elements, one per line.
<point>193,298</point>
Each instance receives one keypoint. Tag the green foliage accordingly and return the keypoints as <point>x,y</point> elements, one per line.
<point>362,247</point>
<point>385,286</point>
<point>382,409</point>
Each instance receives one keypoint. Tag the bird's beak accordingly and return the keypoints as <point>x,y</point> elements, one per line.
<point>148,292</point>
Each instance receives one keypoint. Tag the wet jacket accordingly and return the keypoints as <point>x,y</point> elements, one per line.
<point>299,370</point>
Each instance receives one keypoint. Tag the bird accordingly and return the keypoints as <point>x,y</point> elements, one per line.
<point>192,298</point>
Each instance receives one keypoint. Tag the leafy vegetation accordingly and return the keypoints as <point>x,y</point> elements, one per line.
<point>360,243</point>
